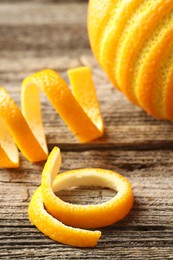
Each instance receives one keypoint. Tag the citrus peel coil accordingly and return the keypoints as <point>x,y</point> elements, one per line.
<point>102,214</point>
<point>25,129</point>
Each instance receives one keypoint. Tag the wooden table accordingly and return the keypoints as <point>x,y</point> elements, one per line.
<point>53,34</point>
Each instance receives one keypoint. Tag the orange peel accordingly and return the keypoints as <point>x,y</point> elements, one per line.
<point>15,129</point>
<point>85,216</point>
<point>81,114</point>
<point>42,211</point>
<point>132,42</point>
<point>65,102</point>
<point>77,216</point>
<point>55,229</point>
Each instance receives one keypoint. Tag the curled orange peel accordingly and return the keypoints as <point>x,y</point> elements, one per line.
<point>55,229</point>
<point>80,111</point>
<point>82,121</point>
<point>15,129</point>
<point>83,216</point>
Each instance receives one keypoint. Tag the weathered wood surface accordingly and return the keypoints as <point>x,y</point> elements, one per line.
<point>39,34</point>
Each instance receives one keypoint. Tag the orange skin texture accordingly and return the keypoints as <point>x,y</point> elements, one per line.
<point>65,103</point>
<point>19,129</point>
<point>126,29</point>
<point>169,96</point>
<point>55,229</point>
<point>89,216</point>
<point>147,87</point>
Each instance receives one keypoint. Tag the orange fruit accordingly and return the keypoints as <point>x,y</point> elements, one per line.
<point>133,42</point>
<point>83,216</point>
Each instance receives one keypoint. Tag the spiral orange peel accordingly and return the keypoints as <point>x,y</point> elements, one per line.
<point>55,229</point>
<point>15,129</point>
<point>77,216</point>
<point>80,111</point>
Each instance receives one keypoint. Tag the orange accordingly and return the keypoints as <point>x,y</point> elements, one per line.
<point>83,216</point>
<point>133,42</point>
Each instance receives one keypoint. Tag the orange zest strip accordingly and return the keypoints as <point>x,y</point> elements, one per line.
<point>85,94</point>
<point>55,229</point>
<point>64,101</point>
<point>14,126</point>
<point>84,216</point>
<point>25,129</point>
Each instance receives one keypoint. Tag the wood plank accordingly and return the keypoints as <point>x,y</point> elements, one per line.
<point>43,1</point>
<point>42,26</point>
<point>147,230</point>
<point>38,13</point>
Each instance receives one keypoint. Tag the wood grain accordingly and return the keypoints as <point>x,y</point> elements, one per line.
<point>148,227</point>
<point>45,34</point>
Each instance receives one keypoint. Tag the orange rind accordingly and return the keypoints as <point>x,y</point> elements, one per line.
<point>87,216</point>
<point>15,129</point>
<point>85,94</point>
<point>81,114</point>
<point>77,216</point>
<point>55,229</point>
<point>132,42</point>
<point>64,102</point>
